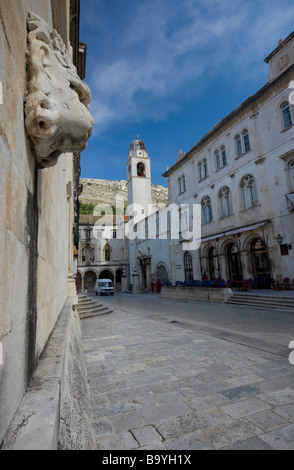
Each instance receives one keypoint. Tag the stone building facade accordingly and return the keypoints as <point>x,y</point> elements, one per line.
<point>101,256</point>
<point>242,175</point>
<point>44,118</point>
<point>126,260</point>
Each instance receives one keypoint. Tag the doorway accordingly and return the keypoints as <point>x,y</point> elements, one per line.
<point>234,263</point>
<point>260,264</point>
<point>213,266</point>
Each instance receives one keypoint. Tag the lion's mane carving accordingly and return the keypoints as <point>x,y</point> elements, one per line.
<point>57,117</point>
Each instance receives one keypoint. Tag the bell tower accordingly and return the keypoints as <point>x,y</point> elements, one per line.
<point>139,178</point>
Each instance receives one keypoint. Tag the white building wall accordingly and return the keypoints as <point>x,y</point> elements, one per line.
<point>271,151</point>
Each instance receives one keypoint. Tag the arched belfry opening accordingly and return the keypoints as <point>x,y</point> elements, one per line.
<point>141,170</point>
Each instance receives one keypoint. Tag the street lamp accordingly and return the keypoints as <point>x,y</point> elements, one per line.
<point>279,239</point>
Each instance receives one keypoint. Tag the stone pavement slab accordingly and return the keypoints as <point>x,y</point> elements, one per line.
<point>160,385</point>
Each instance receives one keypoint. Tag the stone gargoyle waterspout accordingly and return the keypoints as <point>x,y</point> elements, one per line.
<point>57,116</point>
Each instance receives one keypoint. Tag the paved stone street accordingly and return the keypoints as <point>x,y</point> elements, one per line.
<point>185,375</point>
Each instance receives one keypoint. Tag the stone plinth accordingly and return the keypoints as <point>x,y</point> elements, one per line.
<point>124,283</point>
<point>200,294</point>
<point>136,283</point>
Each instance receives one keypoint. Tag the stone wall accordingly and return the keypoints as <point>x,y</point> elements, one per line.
<point>200,294</point>
<point>36,213</point>
<point>55,412</point>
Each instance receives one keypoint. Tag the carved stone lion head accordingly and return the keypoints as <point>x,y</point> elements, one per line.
<point>57,114</point>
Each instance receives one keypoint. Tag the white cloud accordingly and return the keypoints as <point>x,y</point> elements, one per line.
<point>159,47</point>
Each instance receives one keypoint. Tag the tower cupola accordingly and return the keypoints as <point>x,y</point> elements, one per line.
<point>137,144</point>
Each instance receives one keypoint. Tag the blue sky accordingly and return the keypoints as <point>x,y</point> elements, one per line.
<point>169,70</point>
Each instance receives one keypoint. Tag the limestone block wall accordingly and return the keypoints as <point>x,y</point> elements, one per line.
<point>34,222</point>
<point>200,294</point>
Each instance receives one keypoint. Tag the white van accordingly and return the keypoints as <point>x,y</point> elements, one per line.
<point>104,286</point>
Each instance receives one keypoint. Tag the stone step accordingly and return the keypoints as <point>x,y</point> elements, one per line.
<point>283,303</point>
<point>264,298</point>
<point>88,307</point>
<point>95,313</point>
<point>87,302</point>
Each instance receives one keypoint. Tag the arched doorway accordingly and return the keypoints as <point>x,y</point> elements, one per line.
<point>234,263</point>
<point>162,273</point>
<point>188,267</point>
<point>90,280</point>
<point>106,274</point>
<point>118,276</point>
<point>260,263</point>
<point>213,267</point>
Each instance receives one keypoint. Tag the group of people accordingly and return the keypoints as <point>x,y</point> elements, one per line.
<point>156,285</point>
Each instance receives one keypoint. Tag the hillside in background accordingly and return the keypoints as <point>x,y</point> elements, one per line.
<point>105,192</point>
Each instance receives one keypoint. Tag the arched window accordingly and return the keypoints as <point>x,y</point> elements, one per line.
<point>249,193</point>
<point>224,155</point>
<point>206,209</point>
<point>220,157</point>
<point>217,160</point>
<point>238,144</point>
<point>200,171</point>
<point>188,267</point>
<point>107,252</point>
<point>180,185</point>
<point>183,184</point>
<point>205,168</point>
<point>246,140</point>
<point>225,201</point>
<point>292,174</point>
<point>286,115</point>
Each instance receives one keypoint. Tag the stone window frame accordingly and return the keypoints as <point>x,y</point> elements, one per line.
<point>220,156</point>
<point>206,210</point>
<point>225,193</point>
<point>242,143</point>
<point>250,197</point>
<point>291,172</point>
<point>285,104</point>
<point>288,158</point>
<point>181,185</point>
<point>107,252</point>
<point>203,169</point>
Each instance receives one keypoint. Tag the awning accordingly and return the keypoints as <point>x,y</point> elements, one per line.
<point>235,231</point>
<point>245,229</point>
<point>213,237</point>
<point>290,197</point>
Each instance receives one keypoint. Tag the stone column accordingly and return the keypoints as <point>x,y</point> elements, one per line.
<point>222,267</point>
<point>243,259</point>
<point>136,282</point>
<point>148,274</point>
<point>83,282</point>
<point>124,282</point>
